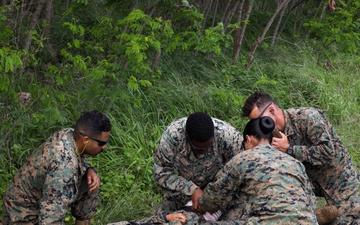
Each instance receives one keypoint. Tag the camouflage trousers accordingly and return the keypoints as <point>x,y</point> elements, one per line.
<point>349,212</point>
<point>83,208</point>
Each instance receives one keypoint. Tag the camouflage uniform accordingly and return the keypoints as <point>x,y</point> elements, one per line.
<point>273,185</point>
<point>326,160</point>
<point>191,218</point>
<point>51,180</point>
<point>179,171</point>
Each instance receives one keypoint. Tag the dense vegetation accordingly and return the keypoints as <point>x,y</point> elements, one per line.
<point>146,63</point>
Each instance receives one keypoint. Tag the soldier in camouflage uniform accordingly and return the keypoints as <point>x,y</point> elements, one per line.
<point>273,185</point>
<point>308,136</point>
<point>57,176</point>
<point>190,153</point>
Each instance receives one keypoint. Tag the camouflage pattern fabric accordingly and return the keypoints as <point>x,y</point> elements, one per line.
<point>179,171</point>
<point>49,182</point>
<point>273,186</point>
<point>326,159</point>
<point>191,218</point>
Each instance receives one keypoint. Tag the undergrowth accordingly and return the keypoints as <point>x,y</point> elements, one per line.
<point>187,84</point>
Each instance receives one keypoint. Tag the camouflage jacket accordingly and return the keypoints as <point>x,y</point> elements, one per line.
<point>273,186</point>
<point>317,145</point>
<point>47,183</point>
<point>177,168</point>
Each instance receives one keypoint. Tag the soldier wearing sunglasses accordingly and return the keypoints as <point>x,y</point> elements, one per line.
<point>189,154</point>
<point>57,176</point>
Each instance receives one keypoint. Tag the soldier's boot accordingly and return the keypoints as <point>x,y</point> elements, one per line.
<point>82,222</point>
<point>326,214</point>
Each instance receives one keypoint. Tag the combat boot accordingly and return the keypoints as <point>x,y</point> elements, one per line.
<point>82,222</point>
<point>326,215</point>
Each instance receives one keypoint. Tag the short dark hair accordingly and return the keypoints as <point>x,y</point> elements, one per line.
<point>199,127</point>
<point>258,99</point>
<point>93,123</point>
<point>260,128</point>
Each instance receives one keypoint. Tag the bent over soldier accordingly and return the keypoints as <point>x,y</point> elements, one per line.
<point>57,176</point>
<point>273,185</point>
<point>308,136</point>
<point>190,153</point>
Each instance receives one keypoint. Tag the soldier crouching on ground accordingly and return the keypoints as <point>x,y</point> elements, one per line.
<point>273,185</point>
<point>57,176</point>
<point>190,153</point>
<point>308,136</point>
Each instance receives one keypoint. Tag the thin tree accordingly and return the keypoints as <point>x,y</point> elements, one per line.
<point>277,26</point>
<point>215,12</point>
<point>240,32</point>
<point>237,39</point>
<point>207,9</point>
<point>33,22</point>
<point>280,6</point>
<point>48,17</point>
<point>229,14</point>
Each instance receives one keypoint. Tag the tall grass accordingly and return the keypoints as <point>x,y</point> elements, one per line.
<point>188,84</point>
<point>191,84</point>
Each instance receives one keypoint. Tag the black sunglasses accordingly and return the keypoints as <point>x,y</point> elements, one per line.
<point>197,148</point>
<point>262,112</point>
<point>100,142</point>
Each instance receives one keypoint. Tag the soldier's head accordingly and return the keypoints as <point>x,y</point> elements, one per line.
<point>199,132</point>
<point>92,132</point>
<point>257,131</point>
<point>260,104</point>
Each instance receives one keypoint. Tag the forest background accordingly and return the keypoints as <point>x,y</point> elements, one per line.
<point>146,63</point>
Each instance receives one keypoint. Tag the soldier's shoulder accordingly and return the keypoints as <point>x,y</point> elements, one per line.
<point>304,112</point>
<point>176,124</point>
<point>60,146</point>
<point>221,125</point>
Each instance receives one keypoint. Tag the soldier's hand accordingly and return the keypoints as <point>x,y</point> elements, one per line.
<point>195,199</point>
<point>93,180</point>
<point>280,143</point>
<point>176,216</point>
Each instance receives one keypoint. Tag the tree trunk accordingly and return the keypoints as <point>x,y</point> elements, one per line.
<point>225,10</point>
<point>237,39</point>
<point>153,8</point>
<point>292,7</point>
<point>230,15</point>
<point>206,12</point>
<point>277,26</point>
<point>48,17</point>
<point>250,58</point>
<point>215,11</point>
<point>34,19</point>
<point>243,27</point>
<point>156,60</point>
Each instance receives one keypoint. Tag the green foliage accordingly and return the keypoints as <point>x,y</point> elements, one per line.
<point>10,60</point>
<point>5,31</point>
<point>106,61</point>
<point>214,40</point>
<point>341,26</point>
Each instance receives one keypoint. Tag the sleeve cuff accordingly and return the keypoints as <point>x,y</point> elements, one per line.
<point>190,190</point>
